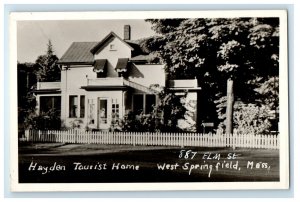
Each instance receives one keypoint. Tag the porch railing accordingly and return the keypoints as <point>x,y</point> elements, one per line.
<point>114,81</point>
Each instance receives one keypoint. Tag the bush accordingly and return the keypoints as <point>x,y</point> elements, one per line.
<point>140,123</point>
<point>44,121</point>
<point>250,118</point>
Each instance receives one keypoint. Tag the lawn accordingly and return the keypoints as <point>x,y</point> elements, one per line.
<point>58,163</point>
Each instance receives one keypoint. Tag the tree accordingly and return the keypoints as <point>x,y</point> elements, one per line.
<point>47,69</point>
<point>44,69</point>
<point>26,100</point>
<point>242,52</point>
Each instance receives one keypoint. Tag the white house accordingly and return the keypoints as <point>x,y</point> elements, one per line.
<point>102,81</point>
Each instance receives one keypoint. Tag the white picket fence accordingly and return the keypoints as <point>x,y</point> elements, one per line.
<point>159,139</point>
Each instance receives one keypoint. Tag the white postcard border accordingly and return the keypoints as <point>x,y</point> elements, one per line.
<point>283,94</point>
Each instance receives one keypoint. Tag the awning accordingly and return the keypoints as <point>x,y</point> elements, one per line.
<point>99,65</point>
<point>122,65</point>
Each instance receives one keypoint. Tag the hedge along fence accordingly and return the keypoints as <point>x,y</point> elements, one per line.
<point>160,139</point>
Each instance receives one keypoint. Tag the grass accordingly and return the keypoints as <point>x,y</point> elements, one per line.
<point>147,158</point>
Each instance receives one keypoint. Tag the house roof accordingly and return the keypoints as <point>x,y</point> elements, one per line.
<point>83,52</point>
<point>78,52</point>
<point>110,35</point>
<point>99,65</point>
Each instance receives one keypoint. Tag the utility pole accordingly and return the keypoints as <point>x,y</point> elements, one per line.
<point>229,108</point>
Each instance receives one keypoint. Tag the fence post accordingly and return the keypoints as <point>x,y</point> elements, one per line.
<point>234,138</point>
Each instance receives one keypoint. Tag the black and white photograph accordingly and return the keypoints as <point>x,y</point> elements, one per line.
<point>150,101</point>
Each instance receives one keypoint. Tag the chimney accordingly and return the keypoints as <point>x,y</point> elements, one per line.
<point>126,32</point>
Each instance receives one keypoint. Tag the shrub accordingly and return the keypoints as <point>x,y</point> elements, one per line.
<point>44,121</point>
<point>250,118</point>
<point>140,123</point>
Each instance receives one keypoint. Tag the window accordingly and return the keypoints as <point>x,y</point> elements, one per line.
<point>103,111</point>
<point>143,103</point>
<point>150,103</point>
<point>82,106</point>
<point>73,104</point>
<point>138,103</point>
<point>112,47</point>
<point>48,103</point>
<point>115,111</point>
<point>101,74</point>
<point>91,111</point>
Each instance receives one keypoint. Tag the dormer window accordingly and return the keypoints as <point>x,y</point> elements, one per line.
<point>121,67</point>
<point>100,68</point>
<point>112,47</point>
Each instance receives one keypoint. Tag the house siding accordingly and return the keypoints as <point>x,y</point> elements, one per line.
<point>71,81</point>
<point>147,74</point>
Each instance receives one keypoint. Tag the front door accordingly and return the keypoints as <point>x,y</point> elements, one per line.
<point>103,115</point>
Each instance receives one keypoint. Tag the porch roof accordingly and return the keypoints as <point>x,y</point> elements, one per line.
<point>183,85</point>
<point>47,91</point>
<point>101,88</point>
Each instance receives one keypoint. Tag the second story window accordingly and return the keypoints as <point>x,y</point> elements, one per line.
<point>101,74</point>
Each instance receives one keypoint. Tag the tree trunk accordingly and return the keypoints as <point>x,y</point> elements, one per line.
<point>27,81</point>
<point>229,108</point>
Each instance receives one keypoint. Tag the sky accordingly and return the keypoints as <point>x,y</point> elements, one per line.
<point>33,36</point>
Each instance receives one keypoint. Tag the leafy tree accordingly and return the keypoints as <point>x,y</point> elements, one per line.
<point>47,69</point>
<point>240,51</point>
